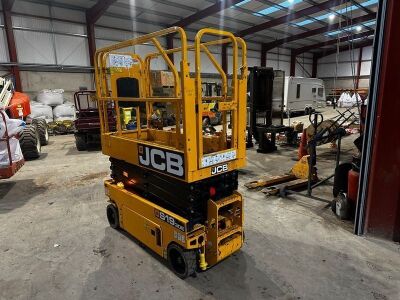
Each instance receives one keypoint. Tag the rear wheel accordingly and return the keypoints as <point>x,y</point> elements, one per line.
<point>182,262</point>
<point>206,121</point>
<point>112,215</point>
<point>30,142</point>
<point>80,142</point>
<point>41,126</point>
<point>340,181</point>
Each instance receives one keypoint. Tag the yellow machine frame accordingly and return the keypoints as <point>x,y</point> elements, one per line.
<point>222,233</point>
<point>188,140</point>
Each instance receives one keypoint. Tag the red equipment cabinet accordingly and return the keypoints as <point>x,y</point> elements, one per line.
<point>20,106</point>
<point>352,188</point>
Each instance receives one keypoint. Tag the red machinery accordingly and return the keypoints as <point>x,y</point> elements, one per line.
<point>17,106</point>
<point>87,123</point>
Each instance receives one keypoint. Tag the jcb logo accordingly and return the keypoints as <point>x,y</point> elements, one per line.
<point>219,169</point>
<point>161,160</point>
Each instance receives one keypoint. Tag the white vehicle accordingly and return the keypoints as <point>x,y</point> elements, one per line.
<point>300,95</point>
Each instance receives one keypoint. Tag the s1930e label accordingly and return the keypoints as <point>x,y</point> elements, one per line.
<point>219,169</point>
<point>170,220</point>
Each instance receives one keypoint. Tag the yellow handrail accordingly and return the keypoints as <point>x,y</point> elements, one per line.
<point>197,47</point>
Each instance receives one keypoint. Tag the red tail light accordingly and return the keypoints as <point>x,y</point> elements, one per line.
<point>212,191</point>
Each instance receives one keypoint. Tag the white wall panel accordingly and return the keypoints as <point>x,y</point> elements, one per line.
<point>101,43</point>
<point>111,34</point>
<point>66,27</point>
<point>3,47</point>
<point>343,56</point>
<point>365,68</point>
<point>34,47</point>
<point>31,23</point>
<point>303,70</point>
<point>367,52</point>
<point>343,70</point>
<point>72,50</point>
<point>347,64</point>
<point>251,62</point>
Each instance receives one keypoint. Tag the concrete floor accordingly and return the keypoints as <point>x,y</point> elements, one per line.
<point>55,242</point>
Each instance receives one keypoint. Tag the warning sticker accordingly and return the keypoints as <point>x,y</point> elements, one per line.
<point>121,61</point>
<point>215,159</point>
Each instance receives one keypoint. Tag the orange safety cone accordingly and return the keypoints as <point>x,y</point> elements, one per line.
<point>303,145</point>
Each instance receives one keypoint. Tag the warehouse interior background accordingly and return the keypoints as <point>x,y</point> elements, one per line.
<point>55,238</point>
<point>52,36</point>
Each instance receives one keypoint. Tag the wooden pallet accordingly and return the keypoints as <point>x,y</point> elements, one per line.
<point>290,185</point>
<point>271,181</point>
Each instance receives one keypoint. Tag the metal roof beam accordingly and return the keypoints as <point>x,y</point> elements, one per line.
<point>12,49</point>
<point>368,11</point>
<point>8,4</point>
<point>292,16</point>
<point>344,48</point>
<point>211,10</point>
<point>334,41</point>
<point>355,21</point>
<point>94,13</point>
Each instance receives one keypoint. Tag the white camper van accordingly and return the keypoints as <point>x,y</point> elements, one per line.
<point>300,95</point>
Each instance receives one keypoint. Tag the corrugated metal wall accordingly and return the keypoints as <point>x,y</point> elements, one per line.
<point>41,41</point>
<point>3,43</point>
<point>347,63</point>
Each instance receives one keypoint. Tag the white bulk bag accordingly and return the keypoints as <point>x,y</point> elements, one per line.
<point>16,153</point>
<point>14,126</point>
<point>356,99</point>
<point>64,112</point>
<point>345,100</point>
<point>40,110</point>
<point>51,97</point>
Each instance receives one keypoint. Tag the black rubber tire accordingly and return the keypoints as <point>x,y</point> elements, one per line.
<point>41,126</point>
<point>333,206</point>
<point>182,262</point>
<point>113,215</point>
<point>206,121</point>
<point>340,180</point>
<point>80,142</point>
<point>29,141</point>
<point>306,111</point>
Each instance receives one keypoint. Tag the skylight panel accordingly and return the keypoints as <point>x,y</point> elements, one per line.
<point>242,3</point>
<point>278,7</point>
<point>350,28</point>
<point>340,11</point>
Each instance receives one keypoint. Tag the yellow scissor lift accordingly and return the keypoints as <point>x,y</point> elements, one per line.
<point>174,188</point>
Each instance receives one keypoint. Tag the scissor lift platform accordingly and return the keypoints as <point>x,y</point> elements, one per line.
<point>174,188</point>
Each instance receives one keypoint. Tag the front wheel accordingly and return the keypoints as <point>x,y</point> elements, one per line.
<point>30,142</point>
<point>182,262</point>
<point>80,142</point>
<point>206,121</point>
<point>112,215</point>
<point>41,126</point>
